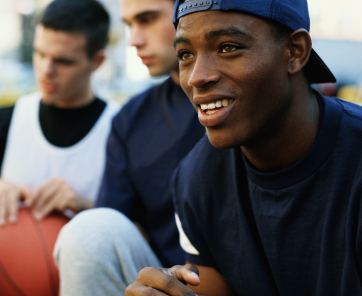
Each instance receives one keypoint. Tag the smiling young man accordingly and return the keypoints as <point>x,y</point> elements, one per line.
<point>52,143</point>
<point>269,203</point>
<point>100,252</point>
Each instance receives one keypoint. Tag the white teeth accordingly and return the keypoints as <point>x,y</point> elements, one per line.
<point>211,111</point>
<point>217,104</point>
<point>211,106</point>
<point>203,106</point>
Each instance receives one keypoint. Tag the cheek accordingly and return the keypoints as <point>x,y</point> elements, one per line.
<point>184,79</point>
<point>73,78</point>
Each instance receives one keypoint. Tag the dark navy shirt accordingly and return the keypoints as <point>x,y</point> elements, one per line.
<point>293,232</point>
<point>149,137</point>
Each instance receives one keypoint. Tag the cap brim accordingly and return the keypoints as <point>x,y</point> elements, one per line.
<point>317,71</point>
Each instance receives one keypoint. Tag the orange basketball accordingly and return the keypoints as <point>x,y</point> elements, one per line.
<point>26,263</point>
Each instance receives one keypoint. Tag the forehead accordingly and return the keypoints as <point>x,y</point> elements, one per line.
<point>59,43</point>
<point>204,23</point>
<point>132,8</point>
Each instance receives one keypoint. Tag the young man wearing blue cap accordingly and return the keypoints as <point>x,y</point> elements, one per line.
<point>281,215</point>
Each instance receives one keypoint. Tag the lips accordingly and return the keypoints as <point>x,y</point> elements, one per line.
<point>49,87</point>
<point>146,60</point>
<point>213,110</point>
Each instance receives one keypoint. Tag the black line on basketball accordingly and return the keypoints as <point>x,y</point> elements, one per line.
<point>10,281</point>
<point>47,256</point>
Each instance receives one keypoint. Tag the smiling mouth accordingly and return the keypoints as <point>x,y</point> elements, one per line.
<point>215,106</point>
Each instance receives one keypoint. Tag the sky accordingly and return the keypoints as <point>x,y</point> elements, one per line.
<point>336,19</point>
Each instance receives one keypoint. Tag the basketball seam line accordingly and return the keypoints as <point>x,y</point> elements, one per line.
<point>11,282</point>
<point>46,253</point>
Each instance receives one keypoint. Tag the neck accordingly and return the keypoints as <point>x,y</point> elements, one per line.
<point>291,139</point>
<point>76,101</point>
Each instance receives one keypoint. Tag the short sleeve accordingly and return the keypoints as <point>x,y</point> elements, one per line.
<point>190,231</point>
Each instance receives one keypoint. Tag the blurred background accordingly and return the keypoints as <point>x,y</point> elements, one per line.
<point>336,30</point>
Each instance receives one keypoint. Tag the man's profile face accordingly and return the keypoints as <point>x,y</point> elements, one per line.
<point>232,67</point>
<point>61,65</point>
<point>152,33</point>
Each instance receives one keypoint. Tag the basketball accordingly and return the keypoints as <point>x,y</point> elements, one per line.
<point>26,263</point>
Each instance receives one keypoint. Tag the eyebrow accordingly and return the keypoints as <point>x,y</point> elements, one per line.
<point>57,59</point>
<point>143,14</point>
<point>231,31</point>
<point>181,39</point>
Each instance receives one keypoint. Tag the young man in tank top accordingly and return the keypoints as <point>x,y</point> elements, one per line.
<point>52,143</point>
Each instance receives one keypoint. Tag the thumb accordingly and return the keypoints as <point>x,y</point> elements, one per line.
<point>188,273</point>
<point>27,195</point>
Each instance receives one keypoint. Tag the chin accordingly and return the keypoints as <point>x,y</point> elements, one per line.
<point>222,140</point>
<point>49,99</point>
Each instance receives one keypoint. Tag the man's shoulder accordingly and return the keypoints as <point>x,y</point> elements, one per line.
<point>350,109</point>
<point>150,97</point>
<point>5,118</point>
<point>142,109</point>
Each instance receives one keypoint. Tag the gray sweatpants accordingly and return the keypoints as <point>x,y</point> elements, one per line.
<point>100,252</point>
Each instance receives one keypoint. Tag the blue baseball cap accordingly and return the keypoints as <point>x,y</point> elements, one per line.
<point>293,14</point>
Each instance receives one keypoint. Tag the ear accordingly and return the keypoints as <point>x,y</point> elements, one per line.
<point>98,59</point>
<point>300,47</point>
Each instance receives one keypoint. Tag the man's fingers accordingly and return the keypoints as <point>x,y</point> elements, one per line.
<point>9,202</point>
<point>187,273</point>
<point>25,194</point>
<point>161,281</point>
<point>3,198</point>
<point>55,201</point>
<point>138,289</point>
<point>43,194</point>
<point>45,206</point>
<point>13,206</point>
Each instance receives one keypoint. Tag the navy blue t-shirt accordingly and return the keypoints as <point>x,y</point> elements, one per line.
<point>293,232</point>
<point>149,137</point>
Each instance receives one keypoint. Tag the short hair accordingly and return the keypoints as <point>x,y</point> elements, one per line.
<point>87,17</point>
<point>280,32</point>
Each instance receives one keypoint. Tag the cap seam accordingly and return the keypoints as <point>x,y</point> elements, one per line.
<point>272,10</point>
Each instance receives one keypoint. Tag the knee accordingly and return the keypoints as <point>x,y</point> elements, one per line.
<point>95,228</point>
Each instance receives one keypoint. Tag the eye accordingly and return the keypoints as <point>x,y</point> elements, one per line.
<point>184,56</point>
<point>228,48</point>
<point>147,19</point>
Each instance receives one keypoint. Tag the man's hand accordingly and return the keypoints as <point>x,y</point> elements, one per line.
<point>162,281</point>
<point>10,195</point>
<point>55,194</point>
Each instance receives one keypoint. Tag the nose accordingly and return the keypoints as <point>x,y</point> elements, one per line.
<point>137,37</point>
<point>48,67</point>
<point>204,72</point>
